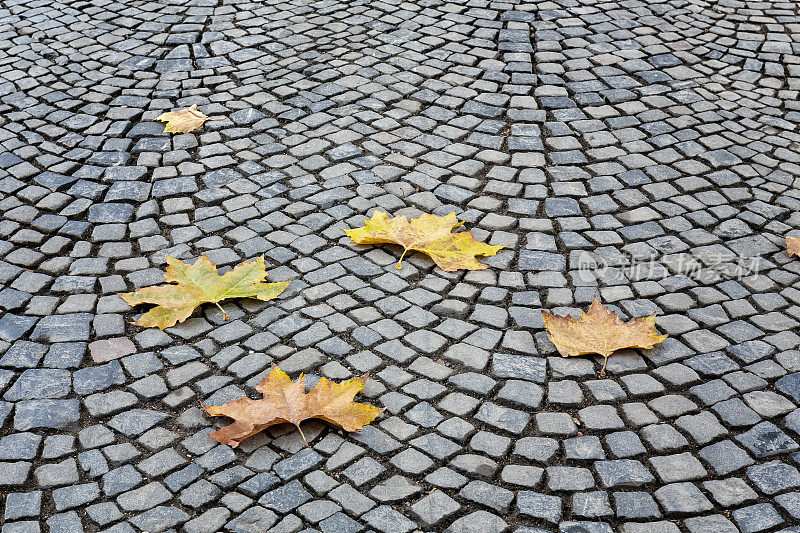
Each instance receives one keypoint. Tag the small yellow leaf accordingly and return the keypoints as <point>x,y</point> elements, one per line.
<point>200,283</point>
<point>600,331</point>
<point>185,120</point>
<point>285,400</point>
<point>793,246</point>
<point>429,234</point>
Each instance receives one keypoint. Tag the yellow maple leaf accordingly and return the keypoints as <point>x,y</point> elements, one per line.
<point>793,246</point>
<point>184,120</point>
<point>200,283</point>
<point>600,331</point>
<point>429,234</point>
<point>285,400</point>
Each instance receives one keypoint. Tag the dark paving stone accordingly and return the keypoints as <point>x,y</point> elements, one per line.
<point>58,414</point>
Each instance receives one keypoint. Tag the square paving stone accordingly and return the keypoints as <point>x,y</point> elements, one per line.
<point>22,505</point>
<point>725,457</point>
<point>505,418</point>
<point>591,504</point>
<point>766,439</point>
<point>622,472</point>
<point>663,437</point>
<point>286,498</point>
<point>703,427</point>
<point>625,444</point>
<point>340,523</point>
<point>488,495</point>
<point>710,523</point>
<point>790,502</point>
<point>478,521</point>
<point>773,477</point>
<point>144,498</point>
<point>730,492</point>
<point>363,471</point>
<point>567,478</point>
<point>434,507</point>
<point>755,518</point>
<point>636,505</point>
<point>33,414</point>
<point>586,448</point>
<point>678,467</point>
<point>387,520</point>
<point>75,496</point>
<point>538,505</point>
<point>682,498</point>
<point>600,417</point>
<point>395,488</point>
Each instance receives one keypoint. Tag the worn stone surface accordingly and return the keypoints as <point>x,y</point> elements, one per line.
<point>642,152</point>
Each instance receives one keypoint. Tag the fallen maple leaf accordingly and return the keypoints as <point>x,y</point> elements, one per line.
<point>428,234</point>
<point>793,246</point>
<point>185,120</point>
<point>287,401</point>
<point>600,331</point>
<point>197,284</point>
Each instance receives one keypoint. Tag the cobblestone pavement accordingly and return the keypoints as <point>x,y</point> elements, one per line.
<point>645,151</point>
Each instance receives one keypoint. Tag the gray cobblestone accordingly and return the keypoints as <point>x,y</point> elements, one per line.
<point>642,153</point>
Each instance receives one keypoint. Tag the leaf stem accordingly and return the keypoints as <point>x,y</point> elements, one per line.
<point>225,315</point>
<point>302,435</point>
<point>217,118</point>
<point>398,265</point>
<point>603,370</point>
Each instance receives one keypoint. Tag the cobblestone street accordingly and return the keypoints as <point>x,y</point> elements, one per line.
<point>644,152</point>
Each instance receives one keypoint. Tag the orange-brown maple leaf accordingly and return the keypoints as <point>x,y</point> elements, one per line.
<point>600,331</point>
<point>287,401</point>
<point>793,246</point>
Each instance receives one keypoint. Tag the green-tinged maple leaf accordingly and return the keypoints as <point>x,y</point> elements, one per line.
<point>199,283</point>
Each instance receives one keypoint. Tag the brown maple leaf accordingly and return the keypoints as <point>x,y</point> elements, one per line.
<point>793,246</point>
<point>600,331</point>
<point>197,284</point>
<point>287,401</point>
<point>184,120</point>
<point>429,234</point>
